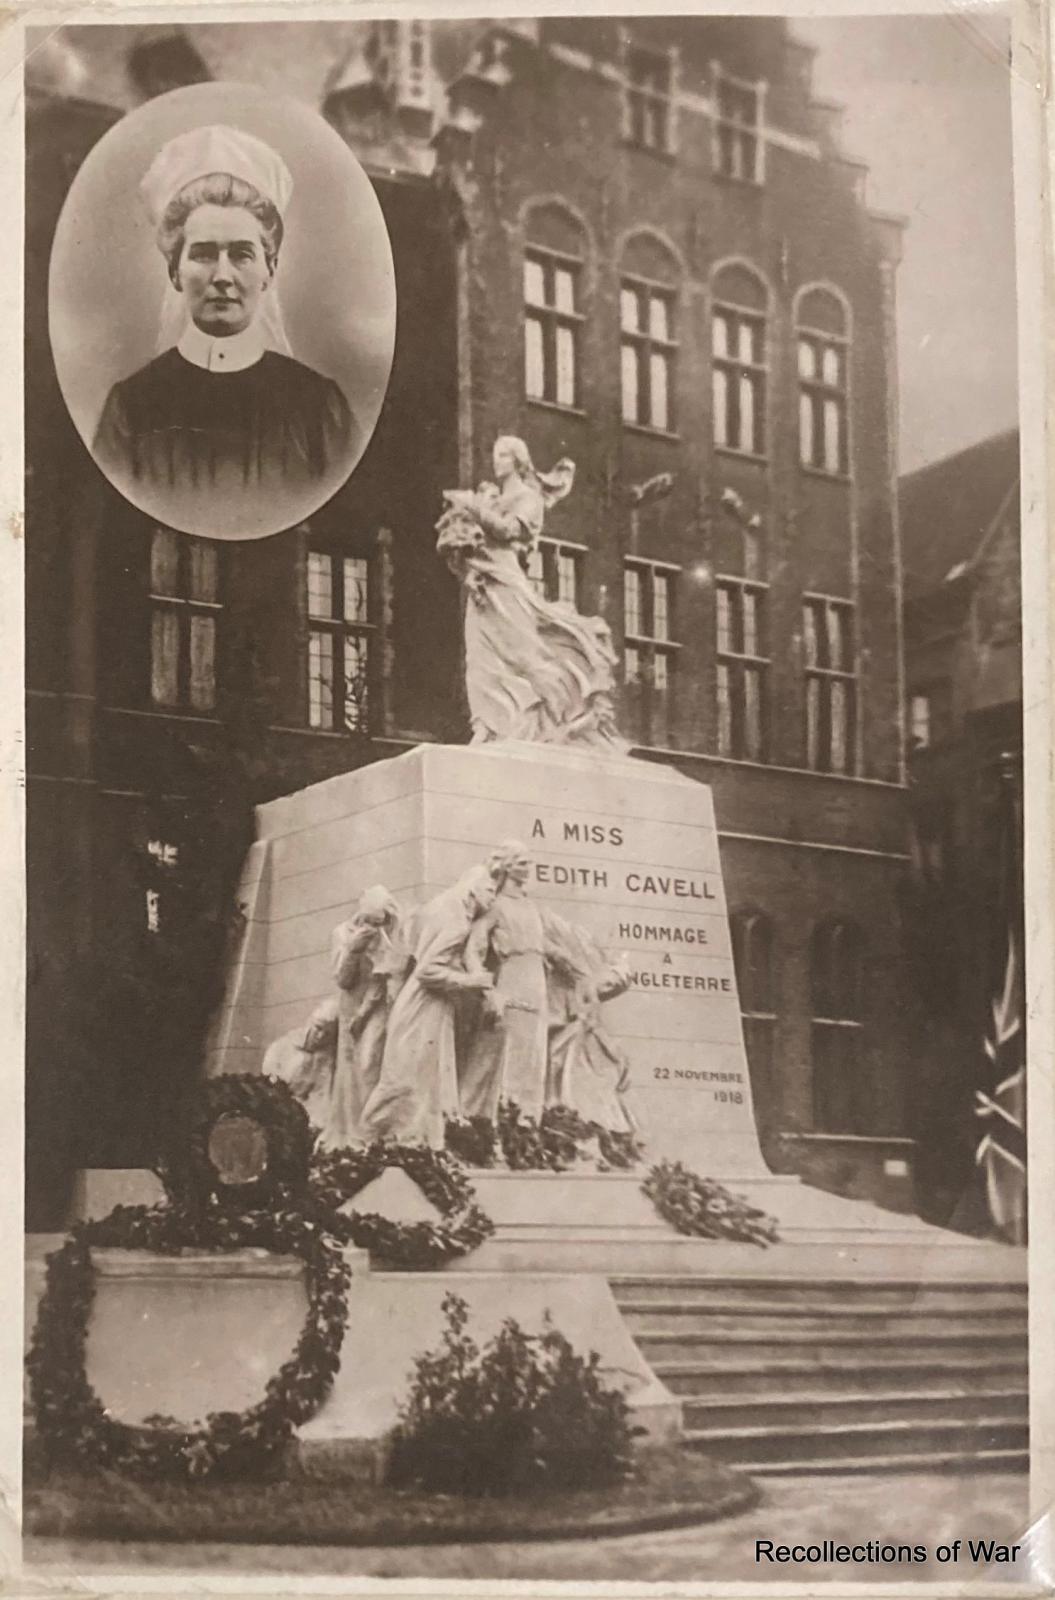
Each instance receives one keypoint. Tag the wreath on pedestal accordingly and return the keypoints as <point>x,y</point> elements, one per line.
<point>559,1141</point>
<point>339,1175</point>
<point>74,1425</point>
<point>705,1209</point>
<point>239,1177</point>
<point>244,1143</point>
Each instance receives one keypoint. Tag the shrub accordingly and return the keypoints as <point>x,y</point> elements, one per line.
<point>524,1413</point>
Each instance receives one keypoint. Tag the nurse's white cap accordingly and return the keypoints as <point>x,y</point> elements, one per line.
<point>202,151</point>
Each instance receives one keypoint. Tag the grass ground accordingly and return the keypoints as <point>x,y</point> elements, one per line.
<point>921,1507</point>
<point>671,1488</point>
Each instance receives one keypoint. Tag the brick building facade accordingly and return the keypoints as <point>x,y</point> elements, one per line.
<point>633,242</point>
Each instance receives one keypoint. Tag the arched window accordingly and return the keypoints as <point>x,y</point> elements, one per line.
<point>649,278</point>
<point>738,343</point>
<point>823,338</point>
<point>841,1099</point>
<point>554,254</point>
<point>753,956</point>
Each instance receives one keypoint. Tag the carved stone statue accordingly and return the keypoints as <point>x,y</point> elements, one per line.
<point>383,1059</point>
<point>417,1088</point>
<point>369,962</point>
<point>517,940</point>
<point>534,669</point>
<point>304,1058</point>
<point>586,1069</point>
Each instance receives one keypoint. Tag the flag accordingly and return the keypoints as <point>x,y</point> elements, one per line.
<point>1000,1102</point>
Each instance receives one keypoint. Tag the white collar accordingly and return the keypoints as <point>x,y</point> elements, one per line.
<point>232,353</point>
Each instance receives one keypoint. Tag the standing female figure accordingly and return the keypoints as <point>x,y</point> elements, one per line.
<point>304,1059</point>
<point>507,1060</point>
<point>588,1069</point>
<point>534,669</point>
<point>417,1087</point>
<point>369,962</point>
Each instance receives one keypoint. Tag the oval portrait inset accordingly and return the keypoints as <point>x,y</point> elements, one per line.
<point>222,307</point>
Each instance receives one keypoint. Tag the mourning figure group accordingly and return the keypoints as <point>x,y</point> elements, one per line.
<point>479,997</point>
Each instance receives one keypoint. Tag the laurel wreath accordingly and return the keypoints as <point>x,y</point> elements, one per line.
<point>705,1209</point>
<point>76,1429</point>
<point>338,1176</point>
<point>190,1177</point>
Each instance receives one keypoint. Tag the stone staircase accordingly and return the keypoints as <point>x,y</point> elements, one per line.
<point>811,1375</point>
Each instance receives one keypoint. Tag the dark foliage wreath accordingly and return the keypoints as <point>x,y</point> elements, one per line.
<point>339,1175</point>
<point>74,1426</point>
<point>555,1143</point>
<point>703,1208</point>
<point>192,1179</point>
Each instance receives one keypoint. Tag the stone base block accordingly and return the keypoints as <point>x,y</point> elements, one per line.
<point>603,1223</point>
<point>184,1336</point>
<point>394,1317</point>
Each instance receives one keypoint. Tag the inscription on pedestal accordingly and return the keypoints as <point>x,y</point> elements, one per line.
<point>624,849</point>
<point>630,853</point>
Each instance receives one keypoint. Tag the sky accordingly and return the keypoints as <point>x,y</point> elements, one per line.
<point>928,107</point>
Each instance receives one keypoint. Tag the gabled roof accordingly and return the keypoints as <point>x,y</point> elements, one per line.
<point>948,509</point>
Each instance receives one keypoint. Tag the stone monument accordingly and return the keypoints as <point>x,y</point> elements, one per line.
<point>620,855</point>
<point>536,917</point>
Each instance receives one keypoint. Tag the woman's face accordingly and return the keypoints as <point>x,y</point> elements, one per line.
<point>223,269</point>
<point>505,462</point>
<point>519,868</point>
<point>482,895</point>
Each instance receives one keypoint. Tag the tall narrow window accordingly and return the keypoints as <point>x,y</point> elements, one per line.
<point>555,571</point>
<point>650,646</point>
<point>647,355</point>
<point>184,612</point>
<point>738,338</point>
<point>823,364</point>
<point>339,642</point>
<point>738,146</point>
<point>552,321</point>
<point>841,1098</point>
<point>742,665</point>
<point>648,99</point>
<point>831,684</point>
<point>920,730</point>
<point>752,936</point>
<point>930,714</point>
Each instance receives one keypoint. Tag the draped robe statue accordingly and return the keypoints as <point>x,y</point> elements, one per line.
<point>534,669</point>
<point>417,1086</point>
<point>369,962</point>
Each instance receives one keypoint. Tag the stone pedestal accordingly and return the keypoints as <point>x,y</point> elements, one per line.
<point>394,1317</point>
<point>627,849</point>
<point>188,1335</point>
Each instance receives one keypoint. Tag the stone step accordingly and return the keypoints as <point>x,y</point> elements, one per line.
<point>877,1345</point>
<point>826,1256</point>
<point>939,1461</point>
<point>646,1319</point>
<point>857,1440</point>
<point>804,1408</point>
<point>790,1294</point>
<point>847,1372</point>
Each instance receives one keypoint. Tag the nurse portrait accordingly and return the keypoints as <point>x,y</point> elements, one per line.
<point>227,429</point>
